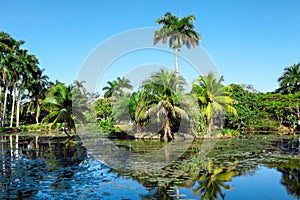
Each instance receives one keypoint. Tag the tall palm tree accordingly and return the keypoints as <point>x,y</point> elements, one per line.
<point>213,95</point>
<point>8,55</point>
<point>28,71</point>
<point>59,103</point>
<point>177,31</point>
<point>164,99</point>
<point>109,89</point>
<point>290,79</point>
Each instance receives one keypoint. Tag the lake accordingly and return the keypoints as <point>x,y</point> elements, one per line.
<point>91,166</point>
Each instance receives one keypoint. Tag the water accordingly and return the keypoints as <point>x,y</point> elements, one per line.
<point>92,167</point>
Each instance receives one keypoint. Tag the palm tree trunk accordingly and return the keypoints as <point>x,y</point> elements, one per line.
<point>0,103</point>
<point>210,126</point>
<point>167,136</point>
<point>37,114</point>
<point>65,128</point>
<point>176,61</point>
<point>5,104</point>
<point>18,107</point>
<point>13,105</point>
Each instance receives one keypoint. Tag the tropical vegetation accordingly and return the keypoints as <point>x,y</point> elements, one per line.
<point>161,106</point>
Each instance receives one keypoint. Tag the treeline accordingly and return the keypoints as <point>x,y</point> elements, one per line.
<point>160,105</point>
<point>28,96</point>
<point>271,111</point>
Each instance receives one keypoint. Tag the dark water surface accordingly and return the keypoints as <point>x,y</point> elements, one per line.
<point>93,167</point>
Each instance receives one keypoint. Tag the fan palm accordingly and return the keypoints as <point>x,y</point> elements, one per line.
<point>59,104</point>
<point>290,79</point>
<point>213,95</point>
<point>177,31</point>
<point>164,99</point>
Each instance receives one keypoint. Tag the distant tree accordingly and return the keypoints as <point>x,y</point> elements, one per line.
<point>123,83</point>
<point>290,79</point>
<point>109,89</point>
<point>246,105</point>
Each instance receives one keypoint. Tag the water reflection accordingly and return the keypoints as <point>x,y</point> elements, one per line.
<point>26,165</point>
<point>53,168</point>
<point>193,175</point>
<point>291,177</point>
<point>212,183</point>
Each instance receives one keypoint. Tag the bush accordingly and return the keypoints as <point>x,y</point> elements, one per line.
<point>107,126</point>
<point>230,132</point>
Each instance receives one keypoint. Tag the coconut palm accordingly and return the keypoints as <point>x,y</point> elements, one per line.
<point>177,31</point>
<point>213,96</point>
<point>163,100</point>
<point>290,79</point>
<point>59,103</point>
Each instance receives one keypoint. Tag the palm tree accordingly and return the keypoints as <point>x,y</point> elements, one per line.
<point>177,32</point>
<point>122,83</point>
<point>109,89</point>
<point>290,79</point>
<point>28,71</point>
<point>59,103</point>
<point>213,95</point>
<point>38,89</point>
<point>164,99</point>
<point>80,86</point>
<point>8,55</point>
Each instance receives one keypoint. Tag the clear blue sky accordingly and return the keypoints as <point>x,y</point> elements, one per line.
<point>249,41</point>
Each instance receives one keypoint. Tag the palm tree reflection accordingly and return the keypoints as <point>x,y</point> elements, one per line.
<point>291,177</point>
<point>212,182</point>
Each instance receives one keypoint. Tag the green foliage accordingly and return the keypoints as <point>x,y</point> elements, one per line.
<point>163,101</point>
<point>116,88</point>
<point>247,107</point>
<point>103,108</point>
<point>177,31</point>
<point>213,97</point>
<point>229,132</point>
<point>59,103</point>
<point>290,79</point>
<point>108,127</point>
